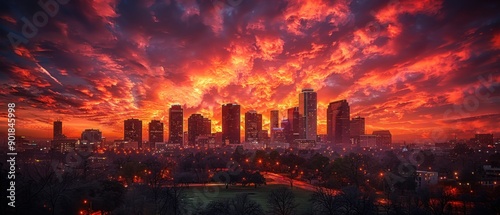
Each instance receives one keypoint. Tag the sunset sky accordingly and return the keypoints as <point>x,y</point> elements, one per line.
<point>425,69</point>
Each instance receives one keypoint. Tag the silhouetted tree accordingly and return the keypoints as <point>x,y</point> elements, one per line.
<point>325,202</point>
<point>353,201</point>
<point>281,202</point>
<point>173,201</point>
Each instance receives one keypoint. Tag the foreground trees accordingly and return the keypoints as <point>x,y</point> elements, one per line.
<point>349,200</point>
<point>281,202</point>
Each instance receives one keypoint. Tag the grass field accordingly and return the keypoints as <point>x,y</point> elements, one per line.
<point>204,195</point>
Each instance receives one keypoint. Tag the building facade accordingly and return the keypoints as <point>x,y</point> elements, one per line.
<point>132,131</point>
<point>92,137</point>
<point>57,131</point>
<point>338,122</point>
<point>253,125</point>
<point>384,137</point>
<point>308,114</point>
<point>357,128</point>
<point>274,119</point>
<point>175,124</point>
<point>155,132</point>
<point>197,127</point>
<point>231,123</point>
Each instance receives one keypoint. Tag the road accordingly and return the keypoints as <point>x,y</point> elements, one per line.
<point>273,178</point>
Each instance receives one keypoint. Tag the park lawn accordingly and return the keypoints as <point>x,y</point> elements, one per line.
<point>204,195</point>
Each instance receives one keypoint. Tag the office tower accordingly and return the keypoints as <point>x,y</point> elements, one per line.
<point>231,123</point>
<point>384,137</point>
<point>274,122</point>
<point>287,131</point>
<point>308,114</point>
<point>338,122</point>
<point>132,131</point>
<point>253,125</point>
<point>357,128</point>
<point>294,122</point>
<point>278,136</point>
<point>207,126</point>
<point>196,127</point>
<point>263,136</point>
<point>175,124</point>
<point>64,145</point>
<point>92,138</point>
<point>275,114</point>
<point>58,131</point>
<point>218,138</point>
<point>185,138</point>
<point>367,140</point>
<point>155,132</point>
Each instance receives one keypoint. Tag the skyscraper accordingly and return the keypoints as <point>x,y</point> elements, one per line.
<point>132,131</point>
<point>231,123</point>
<point>175,124</point>
<point>287,130</point>
<point>294,122</point>
<point>196,127</point>
<point>338,122</point>
<point>253,125</point>
<point>207,126</point>
<point>57,130</point>
<point>92,138</point>
<point>275,114</point>
<point>308,114</point>
<point>155,132</point>
<point>357,128</point>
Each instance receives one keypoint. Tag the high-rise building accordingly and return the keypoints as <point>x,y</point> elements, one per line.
<point>367,140</point>
<point>274,121</point>
<point>196,128</point>
<point>64,145</point>
<point>274,118</point>
<point>263,136</point>
<point>294,122</point>
<point>384,137</point>
<point>155,132</point>
<point>231,123</point>
<point>287,131</point>
<point>357,128</point>
<point>58,131</point>
<point>278,136</point>
<point>207,126</point>
<point>308,114</point>
<point>185,138</point>
<point>338,122</point>
<point>132,131</point>
<point>91,138</point>
<point>253,125</point>
<point>175,124</point>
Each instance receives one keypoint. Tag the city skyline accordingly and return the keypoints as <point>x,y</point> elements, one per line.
<point>339,120</point>
<point>409,67</point>
<point>250,107</point>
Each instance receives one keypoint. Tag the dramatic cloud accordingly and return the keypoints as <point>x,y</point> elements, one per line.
<point>426,70</point>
